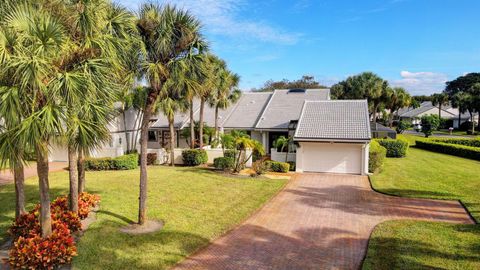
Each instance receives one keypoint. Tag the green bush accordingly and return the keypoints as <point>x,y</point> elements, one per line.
<point>194,157</point>
<point>395,148</point>
<point>223,163</point>
<point>450,149</point>
<point>230,153</point>
<point>125,162</point>
<point>376,155</point>
<point>261,166</point>
<point>276,166</point>
<point>293,165</point>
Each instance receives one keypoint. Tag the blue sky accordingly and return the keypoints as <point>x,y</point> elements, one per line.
<point>417,44</point>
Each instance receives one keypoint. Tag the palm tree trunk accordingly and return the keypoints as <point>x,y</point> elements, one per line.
<point>459,118</point>
<point>216,122</point>
<point>42,171</point>
<point>192,126</point>
<point>125,131</point>
<point>81,171</point>
<point>73,177</point>
<point>135,137</point>
<point>440,111</point>
<point>142,209</point>
<point>200,125</point>
<point>172,141</point>
<point>19,178</point>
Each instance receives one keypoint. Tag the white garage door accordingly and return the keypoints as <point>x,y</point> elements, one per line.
<point>332,158</point>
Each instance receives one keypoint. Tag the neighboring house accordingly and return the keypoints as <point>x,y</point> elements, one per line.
<point>427,108</point>
<point>332,135</point>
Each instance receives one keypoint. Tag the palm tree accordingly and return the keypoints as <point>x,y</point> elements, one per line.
<point>440,100</point>
<point>224,94</point>
<point>283,143</point>
<point>396,98</point>
<point>169,106</point>
<point>168,35</point>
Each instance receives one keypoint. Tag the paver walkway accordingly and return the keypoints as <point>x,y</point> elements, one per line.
<point>319,221</point>
<point>6,177</point>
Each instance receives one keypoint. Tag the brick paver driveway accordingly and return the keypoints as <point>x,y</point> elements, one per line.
<point>319,221</point>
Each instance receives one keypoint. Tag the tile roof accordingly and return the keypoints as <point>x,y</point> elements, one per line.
<point>285,106</point>
<point>246,112</point>
<point>334,119</point>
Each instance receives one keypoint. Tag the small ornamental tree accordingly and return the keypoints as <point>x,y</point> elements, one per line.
<point>402,126</point>
<point>429,124</point>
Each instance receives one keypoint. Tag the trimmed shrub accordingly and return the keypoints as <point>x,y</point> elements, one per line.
<point>230,153</point>
<point>450,149</point>
<point>261,166</point>
<point>395,148</point>
<point>223,163</point>
<point>466,142</point>
<point>293,166</point>
<point>276,166</point>
<point>35,252</point>
<point>125,162</point>
<point>194,157</point>
<point>151,158</point>
<point>376,155</point>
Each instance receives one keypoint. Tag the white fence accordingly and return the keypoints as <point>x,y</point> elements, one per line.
<point>280,156</point>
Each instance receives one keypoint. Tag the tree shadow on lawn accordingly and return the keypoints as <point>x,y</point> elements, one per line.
<point>395,253</point>
<point>103,246</point>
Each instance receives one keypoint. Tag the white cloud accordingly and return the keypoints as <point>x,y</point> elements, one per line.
<point>221,17</point>
<point>418,83</point>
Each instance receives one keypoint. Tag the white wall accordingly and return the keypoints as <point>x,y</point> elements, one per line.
<point>280,156</point>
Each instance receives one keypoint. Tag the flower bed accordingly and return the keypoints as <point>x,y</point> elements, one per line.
<point>31,251</point>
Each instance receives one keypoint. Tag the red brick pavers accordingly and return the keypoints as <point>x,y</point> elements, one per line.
<point>320,221</point>
<point>6,177</point>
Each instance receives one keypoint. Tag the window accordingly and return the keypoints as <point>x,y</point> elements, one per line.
<point>152,136</point>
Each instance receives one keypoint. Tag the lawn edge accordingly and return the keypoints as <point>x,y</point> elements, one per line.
<point>420,198</point>
<point>242,222</point>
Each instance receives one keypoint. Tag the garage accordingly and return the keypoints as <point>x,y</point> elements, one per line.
<point>333,137</point>
<point>332,157</point>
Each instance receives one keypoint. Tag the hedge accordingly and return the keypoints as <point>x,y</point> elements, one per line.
<point>377,154</point>
<point>194,157</point>
<point>126,162</point>
<point>450,149</point>
<point>395,148</point>
<point>466,142</point>
<point>276,166</point>
<point>223,163</point>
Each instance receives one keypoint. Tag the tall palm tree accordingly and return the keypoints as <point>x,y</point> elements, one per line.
<point>170,105</point>
<point>440,100</point>
<point>224,94</point>
<point>168,35</point>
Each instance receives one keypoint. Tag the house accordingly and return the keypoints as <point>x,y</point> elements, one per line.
<point>427,108</point>
<point>330,135</point>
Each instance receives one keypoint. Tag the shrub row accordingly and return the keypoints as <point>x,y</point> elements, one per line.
<point>31,251</point>
<point>395,148</point>
<point>377,156</point>
<point>126,162</point>
<point>450,149</point>
<point>466,142</point>
<point>194,157</point>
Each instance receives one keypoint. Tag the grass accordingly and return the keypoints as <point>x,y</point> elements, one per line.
<point>420,245</point>
<point>196,205</point>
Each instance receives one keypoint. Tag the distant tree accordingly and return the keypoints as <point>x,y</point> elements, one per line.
<point>422,98</point>
<point>366,85</point>
<point>396,98</point>
<point>430,123</point>
<point>440,100</point>
<point>306,82</point>
<point>462,84</point>
<point>402,126</point>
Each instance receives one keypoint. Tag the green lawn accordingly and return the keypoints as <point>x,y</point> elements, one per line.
<point>420,245</point>
<point>196,205</point>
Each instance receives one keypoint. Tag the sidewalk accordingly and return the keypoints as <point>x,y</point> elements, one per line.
<point>6,176</point>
